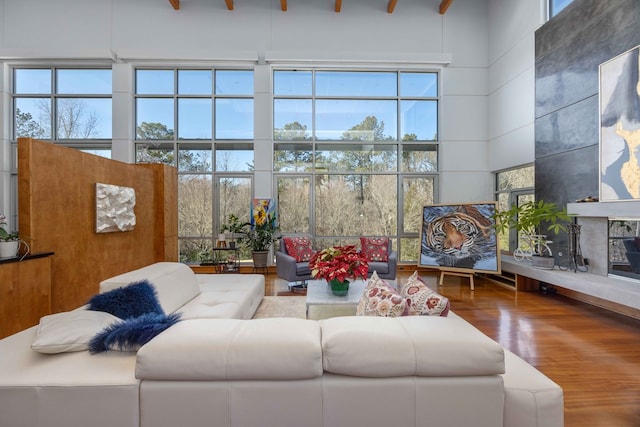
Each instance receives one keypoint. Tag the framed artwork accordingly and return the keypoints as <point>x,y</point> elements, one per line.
<point>460,237</point>
<point>620,127</point>
<point>115,208</point>
<point>263,213</point>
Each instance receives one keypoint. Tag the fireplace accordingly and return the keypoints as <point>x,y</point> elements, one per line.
<point>608,229</point>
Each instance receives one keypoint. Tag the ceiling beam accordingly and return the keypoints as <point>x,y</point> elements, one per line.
<point>391,6</point>
<point>283,5</point>
<point>229,4</point>
<point>175,4</point>
<point>444,5</point>
<point>338,5</point>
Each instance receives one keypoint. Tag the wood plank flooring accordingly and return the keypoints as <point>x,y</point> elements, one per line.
<point>593,354</point>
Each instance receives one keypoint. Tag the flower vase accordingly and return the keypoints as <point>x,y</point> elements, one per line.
<point>9,249</point>
<point>339,288</point>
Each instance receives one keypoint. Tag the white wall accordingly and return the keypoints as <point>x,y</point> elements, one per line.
<point>512,26</point>
<point>487,89</point>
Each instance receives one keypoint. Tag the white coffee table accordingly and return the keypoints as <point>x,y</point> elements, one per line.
<point>319,293</point>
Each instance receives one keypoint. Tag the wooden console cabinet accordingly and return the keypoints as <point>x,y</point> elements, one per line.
<point>25,292</point>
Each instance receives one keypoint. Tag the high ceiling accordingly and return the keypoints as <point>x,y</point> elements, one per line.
<point>444,5</point>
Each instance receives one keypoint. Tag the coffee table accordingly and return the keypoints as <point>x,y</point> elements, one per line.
<point>319,293</point>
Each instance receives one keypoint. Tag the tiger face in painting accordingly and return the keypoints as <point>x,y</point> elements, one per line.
<point>460,238</point>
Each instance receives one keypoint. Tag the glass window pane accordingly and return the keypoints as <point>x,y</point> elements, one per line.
<point>419,158</point>
<point>84,82</point>
<point>410,250</point>
<point>294,204</point>
<point>33,117</point>
<point>356,120</point>
<point>356,158</point>
<point>419,120</point>
<point>234,82</point>
<point>296,83</point>
<point>195,82</point>
<point>194,118</point>
<point>418,84</point>
<point>234,118</point>
<point>234,158</point>
<point>292,119</point>
<point>234,196</point>
<point>32,81</point>
<point>292,157</point>
<point>195,205</point>
<point>154,118</point>
<point>195,251</point>
<point>555,6</point>
<point>356,83</point>
<point>98,152</point>
<point>344,205</point>
<point>516,178</point>
<point>84,118</point>
<point>416,193</point>
<point>194,158</point>
<point>152,152</point>
<point>154,82</point>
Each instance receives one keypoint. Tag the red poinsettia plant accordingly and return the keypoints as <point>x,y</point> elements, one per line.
<point>339,262</point>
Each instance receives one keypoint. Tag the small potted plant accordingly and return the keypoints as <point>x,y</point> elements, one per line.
<point>337,264</point>
<point>528,220</point>
<point>9,242</point>
<point>235,228</point>
<point>261,235</point>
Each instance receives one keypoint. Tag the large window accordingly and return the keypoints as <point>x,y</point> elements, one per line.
<point>355,153</point>
<point>513,187</point>
<point>201,121</point>
<point>70,106</point>
<point>555,6</point>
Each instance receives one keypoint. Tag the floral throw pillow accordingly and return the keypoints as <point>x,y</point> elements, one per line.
<point>375,248</point>
<point>299,248</point>
<point>422,300</point>
<point>380,299</point>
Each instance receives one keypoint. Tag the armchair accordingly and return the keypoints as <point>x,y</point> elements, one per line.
<point>288,267</point>
<point>385,269</point>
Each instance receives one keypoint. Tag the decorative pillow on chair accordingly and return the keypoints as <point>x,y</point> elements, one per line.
<point>299,248</point>
<point>129,301</point>
<point>131,334</point>
<point>375,248</point>
<point>380,299</point>
<point>422,300</point>
<point>69,331</point>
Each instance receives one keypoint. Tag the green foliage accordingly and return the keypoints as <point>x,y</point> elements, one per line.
<point>530,216</point>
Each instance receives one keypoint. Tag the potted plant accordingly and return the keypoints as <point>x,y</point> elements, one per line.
<point>9,242</point>
<point>260,236</point>
<point>337,264</point>
<point>528,220</point>
<point>234,227</point>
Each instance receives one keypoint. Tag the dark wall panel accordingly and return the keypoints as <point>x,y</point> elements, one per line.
<point>569,50</point>
<point>575,126</point>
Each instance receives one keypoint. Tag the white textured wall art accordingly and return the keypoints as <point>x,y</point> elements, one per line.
<point>115,208</point>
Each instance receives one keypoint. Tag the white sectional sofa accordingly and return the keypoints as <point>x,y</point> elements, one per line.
<point>218,368</point>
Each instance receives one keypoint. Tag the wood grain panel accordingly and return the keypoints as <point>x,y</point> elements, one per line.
<point>25,293</point>
<point>56,210</point>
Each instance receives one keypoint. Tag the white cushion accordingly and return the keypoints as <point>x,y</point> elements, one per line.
<point>369,346</point>
<point>70,330</point>
<point>175,283</point>
<point>233,349</point>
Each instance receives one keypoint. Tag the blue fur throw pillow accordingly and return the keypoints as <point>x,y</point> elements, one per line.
<point>129,301</point>
<point>131,334</point>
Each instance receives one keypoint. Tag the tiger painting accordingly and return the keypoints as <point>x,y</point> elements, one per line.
<point>460,237</point>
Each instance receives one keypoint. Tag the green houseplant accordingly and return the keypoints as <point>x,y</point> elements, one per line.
<point>234,227</point>
<point>9,242</point>
<point>261,234</point>
<point>530,220</point>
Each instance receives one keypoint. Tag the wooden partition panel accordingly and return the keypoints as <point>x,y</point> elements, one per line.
<point>57,212</point>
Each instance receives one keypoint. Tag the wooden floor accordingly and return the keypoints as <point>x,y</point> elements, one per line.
<point>593,354</point>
